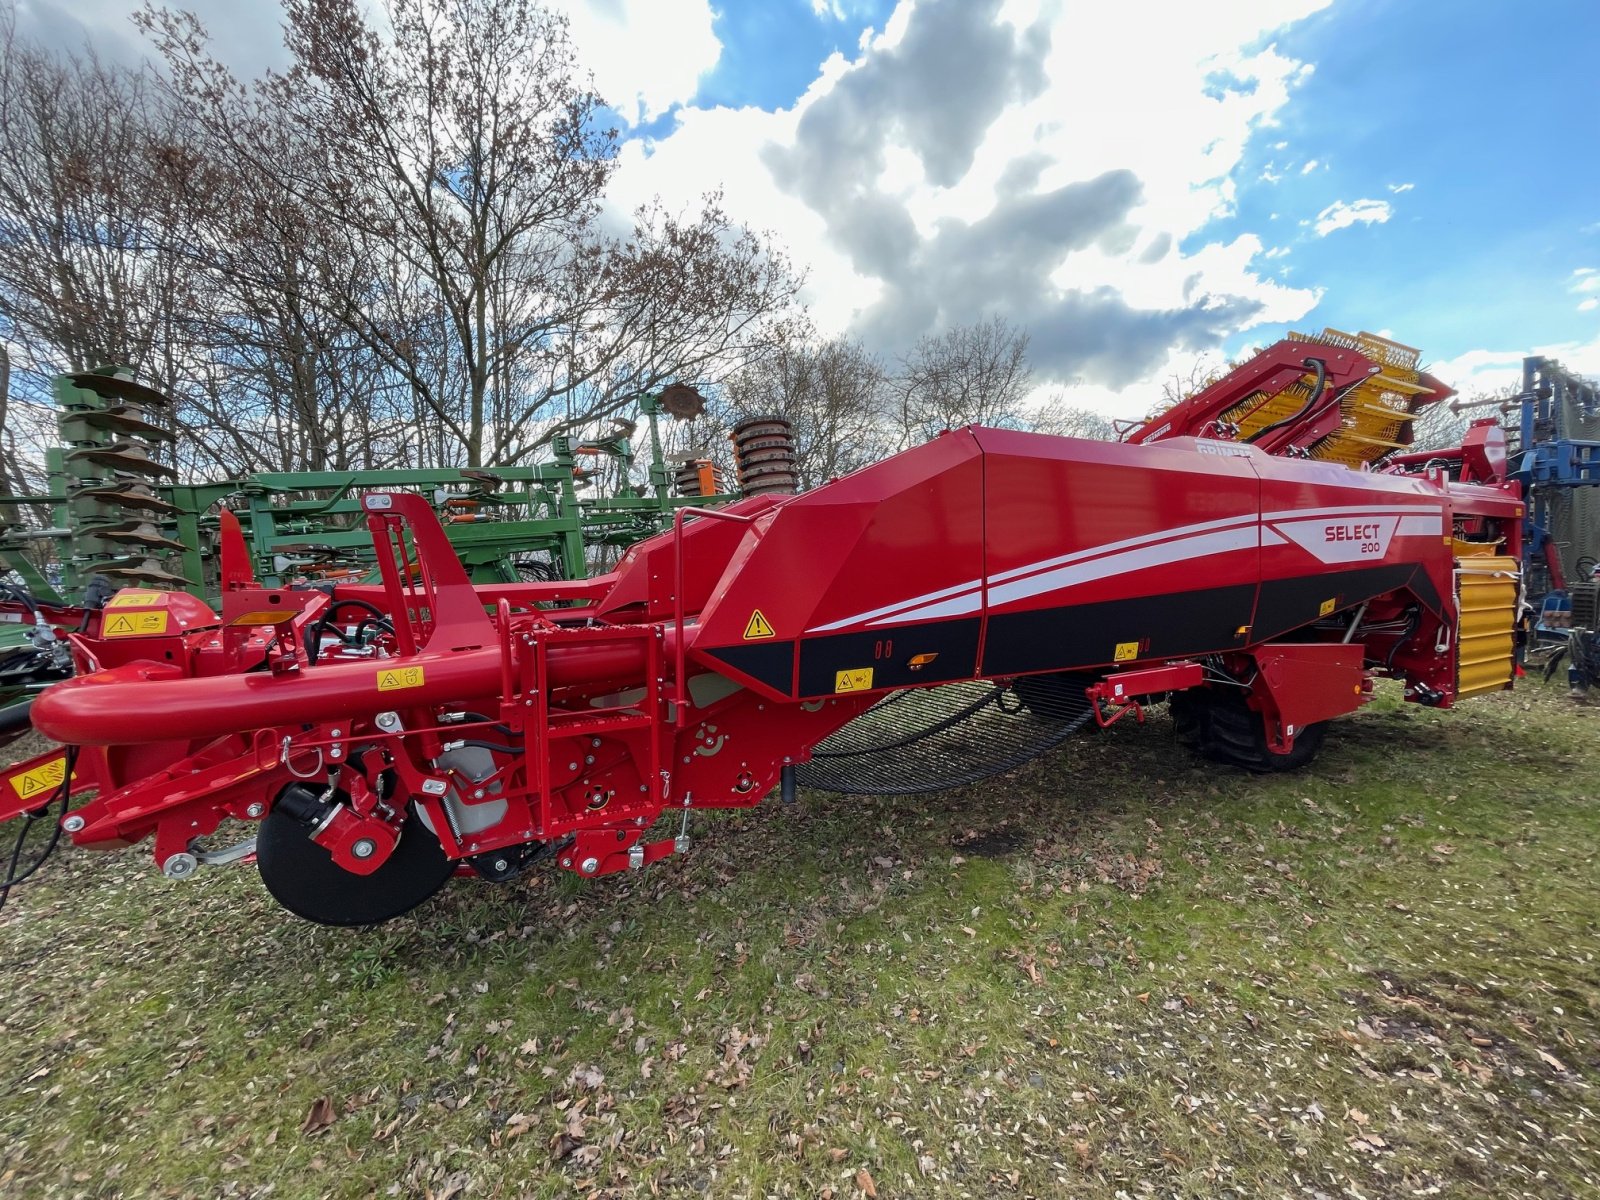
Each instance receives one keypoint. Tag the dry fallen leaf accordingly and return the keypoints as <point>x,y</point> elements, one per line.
<point>1550,1060</point>
<point>320,1116</point>
<point>864,1182</point>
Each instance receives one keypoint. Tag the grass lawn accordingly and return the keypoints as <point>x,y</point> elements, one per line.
<point>1116,972</point>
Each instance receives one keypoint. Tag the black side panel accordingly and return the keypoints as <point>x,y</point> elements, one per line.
<point>771,663</point>
<point>1291,603</point>
<point>1085,635</point>
<point>889,652</point>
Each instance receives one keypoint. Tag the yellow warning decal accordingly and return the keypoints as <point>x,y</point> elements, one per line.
<point>139,624</point>
<point>757,627</point>
<point>1126,652</point>
<point>853,681</point>
<point>42,780</point>
<point>392,679</point>
<point>136,600</point>
<point>1325,607</point>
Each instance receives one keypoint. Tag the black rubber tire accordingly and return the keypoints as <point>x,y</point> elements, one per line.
<point>303,877</point>
<point>1225,729</point>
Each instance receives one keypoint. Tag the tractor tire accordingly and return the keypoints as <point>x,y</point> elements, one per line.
<point>1224,729</point>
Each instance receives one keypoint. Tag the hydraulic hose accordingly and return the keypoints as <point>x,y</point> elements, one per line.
<point>1321,369</point>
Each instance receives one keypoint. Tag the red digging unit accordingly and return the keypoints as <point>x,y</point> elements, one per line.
<point>486,728</point>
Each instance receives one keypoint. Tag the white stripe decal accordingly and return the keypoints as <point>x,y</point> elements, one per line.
<point>1164,554</point>
<point>971,585</point>
<point>1145,539</point>
<point>1429,526</point>
<point>1351,510</point>
<point>1161,547</point>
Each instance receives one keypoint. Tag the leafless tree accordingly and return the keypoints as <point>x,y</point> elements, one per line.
<point>461,155</point>
<point>90,213</point>
<point>835,394</point>
<point>1440,427</point>
<point>1057,416</point>
<point>972,374</point>
<point>1201,373</point>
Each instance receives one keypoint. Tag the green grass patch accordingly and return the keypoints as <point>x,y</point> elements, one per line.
<point>1116,972</point>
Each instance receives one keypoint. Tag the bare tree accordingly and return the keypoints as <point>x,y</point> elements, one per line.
<point>972,374</point>
<point>1057,417</point>
<point>90,213</point>
<point>1440,427</point>
<point>461,156</point>
<point>835,394</point>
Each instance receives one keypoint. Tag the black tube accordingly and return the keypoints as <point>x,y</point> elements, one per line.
<point>1321,369</point>
<point>16,716</point>
<point>786,783</point>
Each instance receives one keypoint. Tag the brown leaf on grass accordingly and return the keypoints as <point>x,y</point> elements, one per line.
<point>1550,1060</point>
<point>864,1182</point>
<point>838,1154</point>
<point>321,1115</point>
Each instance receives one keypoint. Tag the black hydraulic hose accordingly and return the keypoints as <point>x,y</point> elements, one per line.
<point>1413,622</point>
<point>1321,368</point>
<point>314,632</point>
<point>63,793</point>
<point>16,716</point>
<point>495,746</point>
<point>22,596</point>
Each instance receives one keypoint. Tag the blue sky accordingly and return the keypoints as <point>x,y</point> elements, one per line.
<point>1140,184</point>
<point>1458,142</point>
<point>1491,116</point>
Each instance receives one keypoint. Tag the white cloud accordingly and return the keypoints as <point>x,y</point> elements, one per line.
<point>1208,85</point>
<point>1482,371</point>
<point>1401,188</point>
<point>829,8</point>
<point>1310,166</point>
<point>646,55</point>
<point>1585,282</point>
<point>1341,215</point>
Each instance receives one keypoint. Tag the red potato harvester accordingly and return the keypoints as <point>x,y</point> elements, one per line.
<point>387,737</point>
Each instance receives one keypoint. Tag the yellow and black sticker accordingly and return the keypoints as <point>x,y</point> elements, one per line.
<point>392,679</point>
<point>42,780</point>
<point>859,680</point>
<point>757,627</point>
<point>1326,607</point>
<point>136,624</point>
<point>135,600</point>
<point>1126,652</point>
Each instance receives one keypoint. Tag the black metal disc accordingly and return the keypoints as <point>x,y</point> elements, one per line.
<point>303,877</point>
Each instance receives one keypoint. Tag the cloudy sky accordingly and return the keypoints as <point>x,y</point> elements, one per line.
<point>1136,182</point>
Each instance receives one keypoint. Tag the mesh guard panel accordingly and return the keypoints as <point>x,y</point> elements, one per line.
<point>927,739</point>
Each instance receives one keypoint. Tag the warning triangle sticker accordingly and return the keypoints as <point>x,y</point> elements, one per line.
<point>31,784</point>
<point>120,625</point>
<point>757,627</point>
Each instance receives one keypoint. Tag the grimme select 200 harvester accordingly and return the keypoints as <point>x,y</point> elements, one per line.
<point>1247,556</point>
